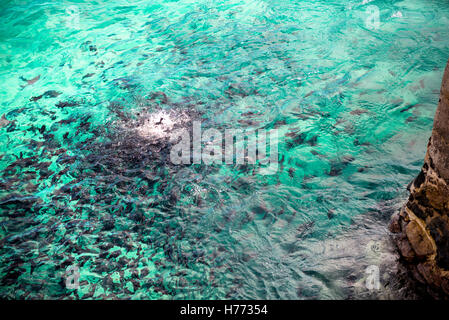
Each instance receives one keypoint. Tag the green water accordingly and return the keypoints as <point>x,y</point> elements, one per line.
<point>78,187</point>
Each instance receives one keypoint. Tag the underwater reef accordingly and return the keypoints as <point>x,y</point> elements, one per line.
<point>423,223</point>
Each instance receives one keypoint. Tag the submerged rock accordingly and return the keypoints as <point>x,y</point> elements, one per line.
<point>423,223</point>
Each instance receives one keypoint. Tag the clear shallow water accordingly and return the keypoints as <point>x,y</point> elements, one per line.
<point>78,187</point>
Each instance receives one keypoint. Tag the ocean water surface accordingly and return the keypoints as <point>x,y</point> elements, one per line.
<point>352,99</point>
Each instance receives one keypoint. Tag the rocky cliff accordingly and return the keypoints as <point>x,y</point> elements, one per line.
<point>422,226</point>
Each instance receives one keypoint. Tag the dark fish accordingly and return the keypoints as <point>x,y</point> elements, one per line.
<point>309,94</point>
<point>24,162</point>
<point>363,169</point>
<point>64,104</point>
<point>358,112</point>
<point>31,81</point>
<point>159,95</point>
<point>123,83</point>
<point>249,114</point>
<point>88,75</point>
<point>305,229</point>
<point>42,165</point>
<point>297,139</point>
<point>4,122</point>
<point>67,121</point>
<point>7,185</point>
<point>291,172</point>
<point>261,209</point>
<point>248,122</point>
<point>36,98</point>
<point>44,173</point>
<point>59,151</point>
<point>313,141</point>
<point>51,94</point>
<point>358,143</point>
<point>410,107</point>
<point>63,159</point>
<point>12,126</point>
<point>108,225</point>
<point>15,112</point>
<point>282,159</point>
<point>279,123</point>
<point>291,134</point>
<point>411,119</point>
<point>85,125</point>
<point>237,90</point>
<point>335,170</point>
<point>19,201</point>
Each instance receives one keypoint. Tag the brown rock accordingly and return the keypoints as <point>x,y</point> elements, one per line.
<point>419,240</point>
<point>439,147</point>
<point>395,225</point>
<point>417,275</point>
<point>445,283</point>
<point>405,249</point>
<point>423,222</point>
<point>430,272</point>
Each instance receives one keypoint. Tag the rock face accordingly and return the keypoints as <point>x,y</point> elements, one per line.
<point>422,226</point>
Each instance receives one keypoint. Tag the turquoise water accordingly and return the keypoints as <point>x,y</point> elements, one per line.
<point>353,106</point>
